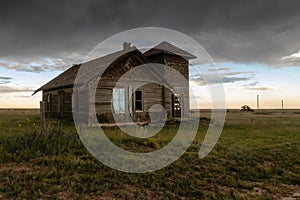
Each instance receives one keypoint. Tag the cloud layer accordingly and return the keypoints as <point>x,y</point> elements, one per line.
<point>5,80</point>
<point>236,31</point>
<point>39,64</point>
<point>216,78</point>
<point>10,89</point>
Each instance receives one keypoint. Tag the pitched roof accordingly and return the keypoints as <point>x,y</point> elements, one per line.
<point>165,47</point>
<point>67,78</point>
<point>98,65</point>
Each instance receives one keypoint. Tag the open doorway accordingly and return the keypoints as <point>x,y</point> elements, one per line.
<point>176,105</point>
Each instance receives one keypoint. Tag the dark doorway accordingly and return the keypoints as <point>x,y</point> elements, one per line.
<point>176,106</point>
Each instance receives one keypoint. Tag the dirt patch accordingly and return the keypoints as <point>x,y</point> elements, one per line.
<point>14,168</point>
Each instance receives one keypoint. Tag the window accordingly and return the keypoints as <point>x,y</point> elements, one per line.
<point>119,100</point>
<point>138,100</point>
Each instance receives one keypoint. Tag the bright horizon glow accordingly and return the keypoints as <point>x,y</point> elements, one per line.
<point>272,85</point>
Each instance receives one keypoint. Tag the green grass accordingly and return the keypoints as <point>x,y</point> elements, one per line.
<point>254,159</point>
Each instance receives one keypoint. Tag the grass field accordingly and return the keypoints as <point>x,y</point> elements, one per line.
<point>256,157</point>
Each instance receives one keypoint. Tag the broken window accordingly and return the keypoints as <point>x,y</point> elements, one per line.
<point>138,100</point>
<point>119,100</point>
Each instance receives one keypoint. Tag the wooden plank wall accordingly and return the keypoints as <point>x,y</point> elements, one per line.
<point>180,64</point>
<point>52,103</point>
<point>152,93</point>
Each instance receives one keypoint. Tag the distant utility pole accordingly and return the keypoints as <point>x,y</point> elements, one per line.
<point>257,102</point>
<point>282,106</point>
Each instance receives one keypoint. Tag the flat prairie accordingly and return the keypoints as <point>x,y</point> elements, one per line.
<point>257,157</point>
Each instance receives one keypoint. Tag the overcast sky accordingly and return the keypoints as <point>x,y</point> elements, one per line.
<point>39,38</point>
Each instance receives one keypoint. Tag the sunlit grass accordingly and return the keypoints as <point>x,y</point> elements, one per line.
<point>258,160</point>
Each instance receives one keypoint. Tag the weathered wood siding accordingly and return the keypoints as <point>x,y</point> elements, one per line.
<point>103,98</point>
<point>181,65</point>
<point>59,103</point>
<point>60,100</point>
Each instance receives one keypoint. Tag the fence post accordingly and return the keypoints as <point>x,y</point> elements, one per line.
<point>43,121</point>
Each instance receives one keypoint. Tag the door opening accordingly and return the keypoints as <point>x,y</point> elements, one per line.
<point>176,105</point>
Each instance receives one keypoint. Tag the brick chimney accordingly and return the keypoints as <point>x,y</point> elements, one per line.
<point>126,45</point>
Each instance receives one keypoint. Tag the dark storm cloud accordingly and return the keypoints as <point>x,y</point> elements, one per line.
<point>214,78</point>
<point>39,64</point>
<point>23,96</point>
<point>5,80</point>
<point>251,84</point>
<point>10,89</point>
<point>254,86</point>
<point>237,31</point>
<point>237,73</point>
<point>259,88</point>
<point>219,69</point>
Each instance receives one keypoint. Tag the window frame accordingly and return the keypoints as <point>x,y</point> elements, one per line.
<point>119,110</point>
<point>141,101</point>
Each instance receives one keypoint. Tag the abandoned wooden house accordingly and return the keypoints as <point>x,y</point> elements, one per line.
<point>60,96</point>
